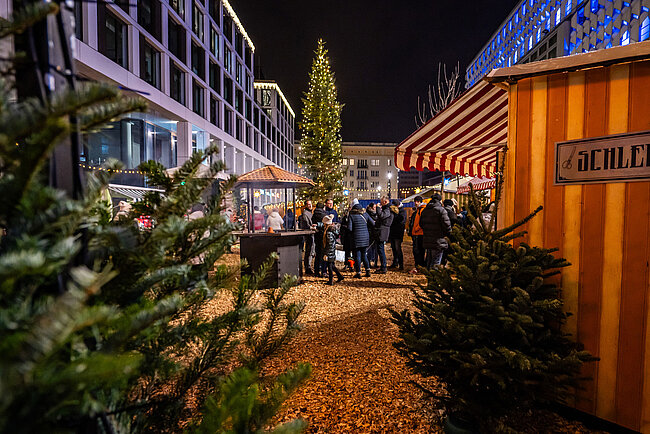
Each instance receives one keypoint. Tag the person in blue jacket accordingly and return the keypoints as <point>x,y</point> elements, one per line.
<point>329,210</point>
<point>358,225</point>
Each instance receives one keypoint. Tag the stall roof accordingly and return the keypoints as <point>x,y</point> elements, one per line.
<point>478,184</point>
<point>463,138</point>
<point>576,62</point>
<point>272,177</point>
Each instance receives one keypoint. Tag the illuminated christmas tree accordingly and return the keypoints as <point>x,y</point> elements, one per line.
<point>320,143</point>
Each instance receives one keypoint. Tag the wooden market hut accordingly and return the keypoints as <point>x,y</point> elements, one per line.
<point>578,143</point>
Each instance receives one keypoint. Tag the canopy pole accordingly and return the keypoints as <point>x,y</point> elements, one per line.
<point>295,218</point>
<point>286,206</point>
<point>252,205</point>
<point>442,185</point>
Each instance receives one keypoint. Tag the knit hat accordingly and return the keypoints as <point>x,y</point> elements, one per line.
<point>327,220</point>
<point>355,201</point>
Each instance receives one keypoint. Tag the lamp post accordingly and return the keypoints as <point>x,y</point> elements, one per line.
<point>390,177</point>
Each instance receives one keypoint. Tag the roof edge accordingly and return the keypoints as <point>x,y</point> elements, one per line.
<point>576,62</point>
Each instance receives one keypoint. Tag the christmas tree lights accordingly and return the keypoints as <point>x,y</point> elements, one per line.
<point>320,142</point>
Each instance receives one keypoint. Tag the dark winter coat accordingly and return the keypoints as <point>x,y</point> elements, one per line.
<point>289,220</point>
<point>372,228</point>
<point>304,221</point>
<point>327,237</point>
<point>384,220</point>
<point>360,225</point>
<point>453,218</point>
<point>436,225</point>
<point>318,215</point>
<point>399,223</point>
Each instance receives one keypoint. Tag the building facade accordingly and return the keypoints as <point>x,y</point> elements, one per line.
<point>370,171</point>
<point>192,61</point>
<point>545,29</point>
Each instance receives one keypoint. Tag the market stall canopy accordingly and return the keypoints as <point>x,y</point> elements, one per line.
<point>131,192</point>
<point>272,177</point>
<point>478,183</point>
<point>463,138</point>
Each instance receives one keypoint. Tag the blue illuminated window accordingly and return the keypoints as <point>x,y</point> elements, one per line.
<point>530,43</point>
<point>625,40</point>
<point>558,16</point>
<point>581,15</point>
<point>539,34</point>
<point>594,6</point>
<point>644,31</point>
<point>568,7</point>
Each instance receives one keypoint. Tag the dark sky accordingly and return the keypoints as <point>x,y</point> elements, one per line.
<point>384,53</point>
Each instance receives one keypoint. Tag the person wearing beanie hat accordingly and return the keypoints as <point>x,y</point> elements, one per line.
<point>355,201</point>
<point>396,234</point>
<point>328,234</point>
<point>436,227</point>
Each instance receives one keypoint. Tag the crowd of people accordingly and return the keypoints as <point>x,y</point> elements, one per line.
<point>364,233</point>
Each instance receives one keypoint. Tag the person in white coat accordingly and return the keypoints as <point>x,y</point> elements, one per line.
<point>275,221</point>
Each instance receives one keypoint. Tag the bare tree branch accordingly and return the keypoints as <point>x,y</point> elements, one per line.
<point>446,89</point>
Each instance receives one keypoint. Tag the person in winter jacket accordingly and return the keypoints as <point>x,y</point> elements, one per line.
<point>329,210</point>
<point>328,233</point>
<point>382,227</point>
<point>319,264</point>
<point>396,234</point>
<point>451,211</point>
<point>258,219</point>
<point>358,226</point>
<point>289,220</point>
<point>371,210</point>
<point>305,223</point>
<point>416,233</point>
<point>275,220</point>
<point>436,226</point>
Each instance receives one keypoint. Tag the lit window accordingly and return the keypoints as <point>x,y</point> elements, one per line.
<point>568,7</point>
<point>530,43</point>
<point>558,16</point>
<point>344,162</point>
<point>351,161</point>
<point>374,162</point>
<point>390,162</point>
<point>644,31</point>
<point>625,40</point>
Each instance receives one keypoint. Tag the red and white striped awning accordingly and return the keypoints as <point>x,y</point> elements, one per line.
<point>478,184</point>
<point>463,138</point>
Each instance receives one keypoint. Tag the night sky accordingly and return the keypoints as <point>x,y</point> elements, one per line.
<point>384,53</point>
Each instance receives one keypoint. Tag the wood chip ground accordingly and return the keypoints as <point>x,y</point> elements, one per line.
<point>359,383</point>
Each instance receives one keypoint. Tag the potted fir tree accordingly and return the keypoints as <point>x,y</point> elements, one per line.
<point>489,326</point>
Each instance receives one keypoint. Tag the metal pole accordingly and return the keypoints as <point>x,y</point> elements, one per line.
<point>286,206</point>
<point>295,218</point>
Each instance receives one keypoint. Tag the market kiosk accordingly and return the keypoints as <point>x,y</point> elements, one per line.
<point>578,143</point>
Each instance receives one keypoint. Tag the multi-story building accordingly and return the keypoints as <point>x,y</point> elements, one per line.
<point>544,29</point>
<point>369,170</point>
<point>192,60</point>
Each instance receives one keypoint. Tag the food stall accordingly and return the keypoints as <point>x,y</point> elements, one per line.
<point>256,246</point>
<point>578,143</point>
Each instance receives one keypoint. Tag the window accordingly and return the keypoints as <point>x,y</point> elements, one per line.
<point>374,162</point>
<point>362,164</point>
<point>197,21</point>
<point>239,129</point>
<point>362,174</point>
<point>239,101</point>
<point>112,42</point>
<point>644,30</point>
<point>351,161</point>
<point>227,59</point>
<point>149,16</point>
<point>198,105</point>
<point>625,40</point>
<point>227,25</point>
<point>351,184</point>
<point>176,40</point>
<point>198,61</point>
<point>178,6</point>
<point>344,162</point>
<point>374,173</point>
<point>78,20</point>
<point>214,111</point>
<point>390,162</point>
<point>240,75</point>
<point>351,172</point>
<point>227,90</point>
<point>214,42</point>
<point>177,83</point>
<point>227,121</point>
<point>215,77</point>
<point>362,185</point>
<point>213,9</point>
<point>149,64</point>
<point>239,43</point>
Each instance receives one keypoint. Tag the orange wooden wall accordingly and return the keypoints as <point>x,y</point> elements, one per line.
<point>602,229</point>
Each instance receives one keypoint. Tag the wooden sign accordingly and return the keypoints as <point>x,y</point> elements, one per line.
<point>618,158</point>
